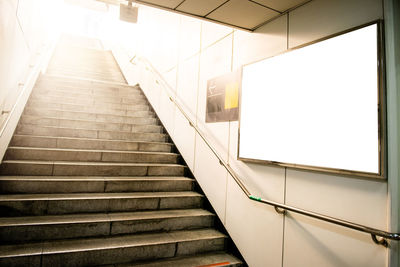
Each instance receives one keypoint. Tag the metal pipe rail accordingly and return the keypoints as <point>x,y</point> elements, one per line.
<point>378,236</point>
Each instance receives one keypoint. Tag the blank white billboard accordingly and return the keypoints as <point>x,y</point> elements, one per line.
<point>315,106</point>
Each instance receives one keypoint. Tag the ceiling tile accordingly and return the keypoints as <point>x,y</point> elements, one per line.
<point>164,3</point>
<point>280,5</point>
<point>200,8</point>
<point>242,13</point>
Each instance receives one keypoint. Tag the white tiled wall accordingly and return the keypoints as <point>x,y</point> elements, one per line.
<point>23,31</point>
<point>264,237</point>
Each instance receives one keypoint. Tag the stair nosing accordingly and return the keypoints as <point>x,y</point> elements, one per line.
<point>98,196</point>
<point>102,217</point>
<point>87,112</point>
<point>88,80</point>
<point>91,163</point>
<point>105,243</point>
<point>59,178</point>
<point>83,121</point>
<point>93,150</point>
<point>101,130</point>
<point>34,101</point>
<point>95,139</point>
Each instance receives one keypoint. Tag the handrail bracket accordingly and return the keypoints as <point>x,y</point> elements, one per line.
<point>279,210</point>
<point>381,241</point>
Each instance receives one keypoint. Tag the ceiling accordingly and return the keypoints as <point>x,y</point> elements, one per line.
<point>242,14</point>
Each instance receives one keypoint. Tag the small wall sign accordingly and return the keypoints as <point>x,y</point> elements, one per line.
<point>223,97</point>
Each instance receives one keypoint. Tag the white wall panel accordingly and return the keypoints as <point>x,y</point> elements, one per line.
<point>211,176</point>
<point>263,181</point>
<point>313,244</point>
<point>214,61</point>
<point>14,55</point>
<point>188,77</point>
<point>357,200</point>
<point>190,34</point>
<point>170,77</point>
<point>254,227</point>
<point>166,111</point>
<point>185,145</point>
<point>267,41</point>
<point>211,33</point>
<point>321,18</point>
<point>29,16</point>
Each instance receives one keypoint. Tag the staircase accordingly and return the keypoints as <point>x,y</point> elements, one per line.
<point>91,178</point>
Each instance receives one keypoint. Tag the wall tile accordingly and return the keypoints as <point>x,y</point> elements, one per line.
<point>267,41</point>
<point>212,32</point>
<point>312,243</point>
<point>188,85</point>
<point>190,34</point>
<point>357,200</point>
<point>211,176</point>
<point>256,228</point>
<point>263,180</point>
<point>322,18</point>
<point>214,61</point>
<point>184,138</point>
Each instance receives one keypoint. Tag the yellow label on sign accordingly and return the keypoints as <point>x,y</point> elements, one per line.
<point>231,95</point>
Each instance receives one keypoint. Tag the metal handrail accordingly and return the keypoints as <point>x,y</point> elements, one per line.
<point>378,236</point>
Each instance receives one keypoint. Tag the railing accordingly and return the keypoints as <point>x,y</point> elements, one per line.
<point>378,236</point>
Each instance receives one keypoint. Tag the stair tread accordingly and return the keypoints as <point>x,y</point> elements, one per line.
<point>41,102</point>
<point>85,129</point>
<point>75,196</point>
<point>62,78</point>
<point>86,163</point>
<point>97,140</point>
<point>85,121</point>
<point>92,150</point>
<point>95,178</point>
<point>204,260</point>
<point>96,115</point>
<point>111,99</point>
<point>114,242</point>
<point>101,217</point>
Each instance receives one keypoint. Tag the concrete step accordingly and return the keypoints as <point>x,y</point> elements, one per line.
<point>75,91</point>
<point>86,69</point>
<point>93,89</point>
<point>91,109</point>
<point>62,154</point>
<point>84,143</point>
<point>130,98</point>
<point>57,204</point>
<point>85,99</point>
<point>91,125</point>
<point>112,250</point>
<point>92,184</point>
<point>51,227</point>
<point>85,83</point>
<point>120,117</point>
<point>66,168</point>
<point>144,117</point>
<point>26,129</point>
<point>109,76</point>
<point>212,259</point>
<point>48,102</point>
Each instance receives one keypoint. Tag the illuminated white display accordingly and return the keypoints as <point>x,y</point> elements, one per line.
<point>315,106</point>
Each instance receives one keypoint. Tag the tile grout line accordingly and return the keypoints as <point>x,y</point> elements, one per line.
<point>284,220</point>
